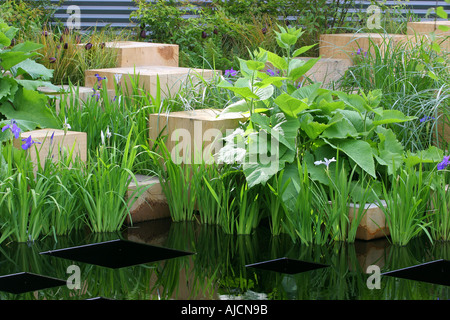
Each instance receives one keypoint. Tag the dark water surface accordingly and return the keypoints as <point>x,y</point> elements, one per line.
<point>205,263</point>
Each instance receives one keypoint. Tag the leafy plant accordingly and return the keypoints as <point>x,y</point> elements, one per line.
<point>406,204</point>
<point>306,122</point>
<point>20,76</point>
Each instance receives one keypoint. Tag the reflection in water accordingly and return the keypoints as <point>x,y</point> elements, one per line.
<point>218,269</point>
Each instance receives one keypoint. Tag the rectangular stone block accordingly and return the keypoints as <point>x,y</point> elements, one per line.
<point>68,94</point>
<point>137,54</point>
<point>328,70</point>
<point>171,79</point>
<point>52,147</point>
<point>151,204</point>
<point>372,225</point>
<point>346,45</point>
<point>193,136</point>
<point>426,28</point>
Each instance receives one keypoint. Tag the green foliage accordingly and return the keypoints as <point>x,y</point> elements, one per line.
<point>306,121</point>
<point>19,79</point>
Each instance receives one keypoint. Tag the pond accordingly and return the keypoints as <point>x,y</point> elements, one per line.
<point>203,263</point>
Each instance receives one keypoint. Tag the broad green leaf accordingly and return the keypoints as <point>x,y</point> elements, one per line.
<point>244,92</point>
<point>288,39</point>
<point>297,72</point>
<point>354,101</point>
<point>391,116</point>
<point>390,150</point>
<point>302,50</point>
<point>4,40</point>
<point>10,59</point>
<point>255,65</point>
<point>278,62</point>
<point>357,150</point>
<point>27,46</point>
<point>239,106</point>
<point>340,130</point>
<point>430,155</point>
<point>329,107</point>
<point>312,128</point>
<point>289,105</point>
<point>5,87</point>
<point>309,92</point>
<point>441,12</point>
<point>34,84</point>
<point>30,105</point>
<point>32,68</point>
<point>264,93</point>
<point>287,131</point>
<point>270,80</point>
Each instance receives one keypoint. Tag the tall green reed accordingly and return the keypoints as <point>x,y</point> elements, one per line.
<point>304,219</point>
<point>103,185</point>
<point>406,199</point>
<point>439,217</point>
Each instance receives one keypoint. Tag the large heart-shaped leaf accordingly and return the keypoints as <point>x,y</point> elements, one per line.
<point>357,150</point>
<point>289,105</point>
<point>28,105</point>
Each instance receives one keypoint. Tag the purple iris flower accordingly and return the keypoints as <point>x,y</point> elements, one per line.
<point>96,93</point>
<point>230,73</point>
<point>426,118</point>
<point>444,163</point>
<point>271,72</point>
<point>99,78</point>
<point>28,143</point>
<point>13,127</point>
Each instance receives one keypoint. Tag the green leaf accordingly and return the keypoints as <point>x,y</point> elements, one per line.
<point>296,72</point>
<point>359,151</point>
<point>391,116</point>
<point>312,128</point>
<point>430,155</point>
<point>288,39</point>
<point>278,62</point>
<point>4,40</point>
<point>289,105</point>
<point>302,50</point>
<point>10,59</point>
<point>255,65</point>
<point>309,92</point>
<point>27,46</point>
<point>354,101</point>
<point>244,92</point>
<point>390,150</point>
<point>340,130</point>
<point>30,105</point>
<point>239,106</point>
<point>34,84</point>
<point>441,13</point>
<point>32,68</point>
<point>270,80</point>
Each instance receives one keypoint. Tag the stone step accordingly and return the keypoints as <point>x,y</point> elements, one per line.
<point>172,79</point>
<point>150,205</point>
<point>68,93</point>
<point>49,147</point>
<point>327,70</point>
<point>425,28</point>
<point>137,54</point>
<point>346,45</point>
<point>193,136</point>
